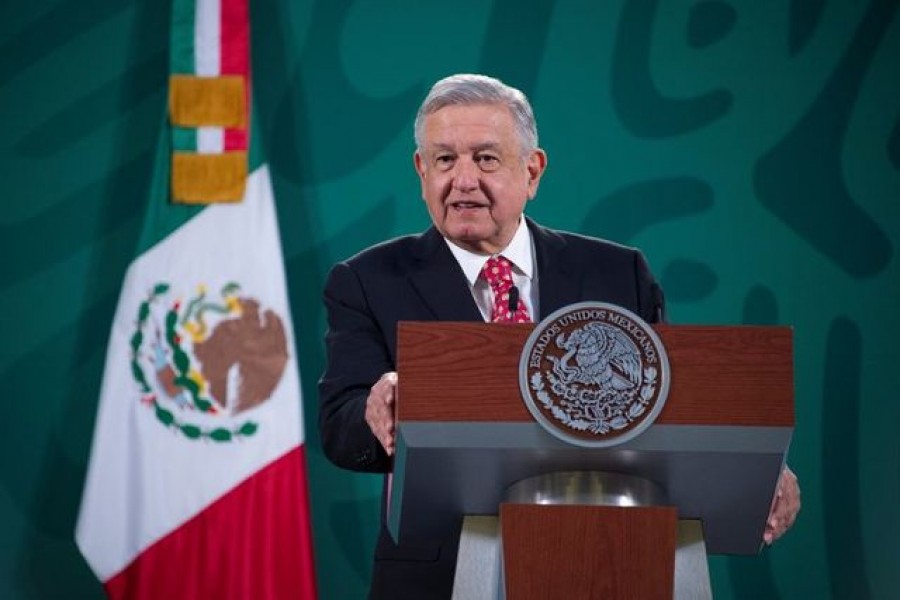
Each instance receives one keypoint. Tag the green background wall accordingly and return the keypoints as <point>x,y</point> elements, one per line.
<point>752,149</point>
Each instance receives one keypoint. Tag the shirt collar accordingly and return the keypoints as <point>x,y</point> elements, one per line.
<point>518,251</point>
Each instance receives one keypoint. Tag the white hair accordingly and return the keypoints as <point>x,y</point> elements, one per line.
<point>467,89</point>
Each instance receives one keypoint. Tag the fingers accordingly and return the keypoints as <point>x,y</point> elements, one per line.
<point>771,532</point>
<point>790,496</point>
<point>380,410</point>
<point>785,506</point>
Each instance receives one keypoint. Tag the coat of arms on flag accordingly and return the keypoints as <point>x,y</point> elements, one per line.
<point>200,363</point>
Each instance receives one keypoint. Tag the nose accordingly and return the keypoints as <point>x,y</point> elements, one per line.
<point>465,175</point>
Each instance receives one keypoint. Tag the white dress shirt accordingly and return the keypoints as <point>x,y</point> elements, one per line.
<point>520,252</point>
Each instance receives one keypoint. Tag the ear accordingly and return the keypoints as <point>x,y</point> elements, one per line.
<point>419,164</point>
<point>535,166</point>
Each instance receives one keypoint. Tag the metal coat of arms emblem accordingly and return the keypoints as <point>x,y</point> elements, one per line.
<point>594,374</point>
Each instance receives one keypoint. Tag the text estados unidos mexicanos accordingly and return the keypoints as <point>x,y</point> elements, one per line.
<point>636,332</point>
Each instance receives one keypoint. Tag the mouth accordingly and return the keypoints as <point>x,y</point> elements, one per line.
<point>467,205</point>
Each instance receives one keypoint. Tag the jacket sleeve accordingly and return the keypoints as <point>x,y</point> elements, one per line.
<point>651,300</point>
<point>356,357</point>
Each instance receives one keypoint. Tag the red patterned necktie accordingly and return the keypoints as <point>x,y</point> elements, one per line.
<point>497,271</point>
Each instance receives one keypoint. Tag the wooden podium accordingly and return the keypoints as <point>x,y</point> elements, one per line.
<point>716,450</point>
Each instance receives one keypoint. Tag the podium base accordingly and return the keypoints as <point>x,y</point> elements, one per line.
<point>479,572</point>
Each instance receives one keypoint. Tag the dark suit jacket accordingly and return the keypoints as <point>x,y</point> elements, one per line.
<point>416,278</point>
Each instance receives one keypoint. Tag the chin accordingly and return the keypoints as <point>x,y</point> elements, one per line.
<point>470,235</point>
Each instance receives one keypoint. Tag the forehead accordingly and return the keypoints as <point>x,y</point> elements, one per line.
<point>465,125</point>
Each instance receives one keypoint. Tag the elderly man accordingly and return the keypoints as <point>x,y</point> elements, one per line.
<point>479,163</point>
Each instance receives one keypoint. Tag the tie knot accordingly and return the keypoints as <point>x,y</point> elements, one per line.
<point>497,271</point>
<point>507,307</point>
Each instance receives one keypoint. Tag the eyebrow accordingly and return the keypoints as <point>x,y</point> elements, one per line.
<point>477,148</point>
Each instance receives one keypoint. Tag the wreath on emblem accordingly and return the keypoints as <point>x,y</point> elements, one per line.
<point>175,368</point>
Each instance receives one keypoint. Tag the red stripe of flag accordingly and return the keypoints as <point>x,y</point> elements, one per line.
<point>235,59</point>
<point>253,542</point>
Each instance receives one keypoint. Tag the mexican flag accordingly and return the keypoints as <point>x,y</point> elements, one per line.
<point>196,486</point>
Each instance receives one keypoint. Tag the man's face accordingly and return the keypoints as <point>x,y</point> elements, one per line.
<point>475,180</point>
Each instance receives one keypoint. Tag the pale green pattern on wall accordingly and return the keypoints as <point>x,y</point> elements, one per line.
<point>751,149</point>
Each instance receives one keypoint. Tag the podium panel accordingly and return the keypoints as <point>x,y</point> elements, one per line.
<point>717,448</point>
<point>587,552</point>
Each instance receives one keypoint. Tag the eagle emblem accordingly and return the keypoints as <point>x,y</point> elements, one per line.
<point>594,374</point>
<point>202,362</point>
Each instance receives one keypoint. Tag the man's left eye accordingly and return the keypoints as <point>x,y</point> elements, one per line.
<point>487,162</point>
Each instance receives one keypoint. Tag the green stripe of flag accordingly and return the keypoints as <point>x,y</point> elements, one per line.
<point>181,57</point>
<point>184,139</point>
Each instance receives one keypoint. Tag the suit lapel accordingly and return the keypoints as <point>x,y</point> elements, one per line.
<point>559,280</point>
<point>440,282</point>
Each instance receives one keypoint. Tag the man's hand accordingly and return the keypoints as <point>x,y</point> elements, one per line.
<point>785,506</point>
<point>380,410</point>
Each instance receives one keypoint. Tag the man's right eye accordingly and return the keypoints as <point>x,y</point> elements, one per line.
<point>444,161</point>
